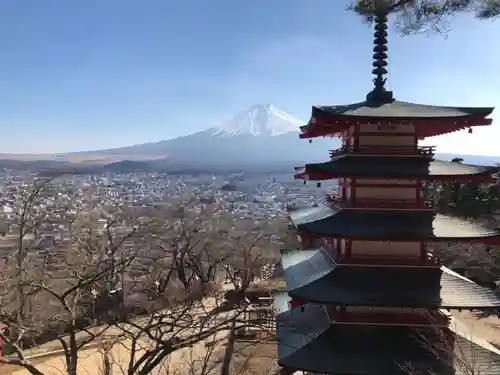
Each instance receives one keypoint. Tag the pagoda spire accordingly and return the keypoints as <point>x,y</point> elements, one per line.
<point>379,95</point>
<point>380,51</point>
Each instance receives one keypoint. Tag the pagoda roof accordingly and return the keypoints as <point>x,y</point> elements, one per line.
<point>305,334</point>
<point>442,119</point>
<point>329,220</point>
<point>312,275</point>
<point>392,167</point>
<point>401,110</point>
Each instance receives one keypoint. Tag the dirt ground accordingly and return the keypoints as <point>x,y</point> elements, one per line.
<point>256,358</point>
<point>487,329</point>
<point>91,360</point>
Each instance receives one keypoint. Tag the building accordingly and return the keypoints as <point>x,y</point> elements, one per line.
<point>364,296</point>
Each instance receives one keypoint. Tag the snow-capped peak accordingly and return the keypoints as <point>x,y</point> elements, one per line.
<point>260,120</point>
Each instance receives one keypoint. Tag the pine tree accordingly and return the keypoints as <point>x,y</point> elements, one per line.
<point>415,16</point>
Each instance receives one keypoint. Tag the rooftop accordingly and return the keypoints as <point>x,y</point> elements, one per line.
<point>328,220</point>
<point>366,166</point>
<point>305,334</point>
<point>312,275</point>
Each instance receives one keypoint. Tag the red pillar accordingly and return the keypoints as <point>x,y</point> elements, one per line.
<point>418,195</point>
<point>348,248</point>
<point>423,251</point>
<point>353,192</point>
<point>356,137</point>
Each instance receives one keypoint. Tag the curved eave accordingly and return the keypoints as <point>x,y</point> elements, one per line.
<point>396,167</point>
<point>330,221</point>
<point>429,120</point>
<point>335,125</point>
<point>304,335</point>
<point>401,110</point>
<point>311,275</point>
<point>305,176</point>
<point>484,177</point>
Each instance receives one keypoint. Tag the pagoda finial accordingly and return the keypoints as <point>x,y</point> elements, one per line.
<point>380,51</point>
<point>379,95</point>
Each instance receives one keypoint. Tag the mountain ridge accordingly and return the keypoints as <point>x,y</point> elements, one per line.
<point>261,120</point>
<point>262,135</point>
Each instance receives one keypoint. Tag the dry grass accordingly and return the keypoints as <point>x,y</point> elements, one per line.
<point>50,359</point>
<point>487,329</point>
<point>91,359</point>
<point>277,284</point>
<point>256,358</point>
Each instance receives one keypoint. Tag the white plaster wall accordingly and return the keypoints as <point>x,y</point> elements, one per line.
<point>348,192</point>
<point>373,140</point>
<point>343,246</point>
<point>385,193</point>
<point>360,181</point>
<point>374,128</point>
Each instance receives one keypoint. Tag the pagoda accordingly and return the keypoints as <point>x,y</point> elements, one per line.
<point>364,296</point>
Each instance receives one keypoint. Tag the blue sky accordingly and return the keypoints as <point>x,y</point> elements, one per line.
<point>82,75</point>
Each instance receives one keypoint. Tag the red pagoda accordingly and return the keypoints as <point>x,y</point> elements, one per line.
<point>364,295</point>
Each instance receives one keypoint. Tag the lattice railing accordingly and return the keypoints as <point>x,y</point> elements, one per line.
<point>384,150</point>
<point>380,203</point>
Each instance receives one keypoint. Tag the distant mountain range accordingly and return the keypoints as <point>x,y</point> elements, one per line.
<point>262,138</point>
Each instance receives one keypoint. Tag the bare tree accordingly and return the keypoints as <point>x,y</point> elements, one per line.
<point>195,242</point>
<point>479,262</point>
<point>457,347</point>
<point>49,293</point>
<point>144,279</point>
<point>217,354</point>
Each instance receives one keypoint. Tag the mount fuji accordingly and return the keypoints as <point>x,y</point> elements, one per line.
<point>261,137</point>
<point>260,120</point>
